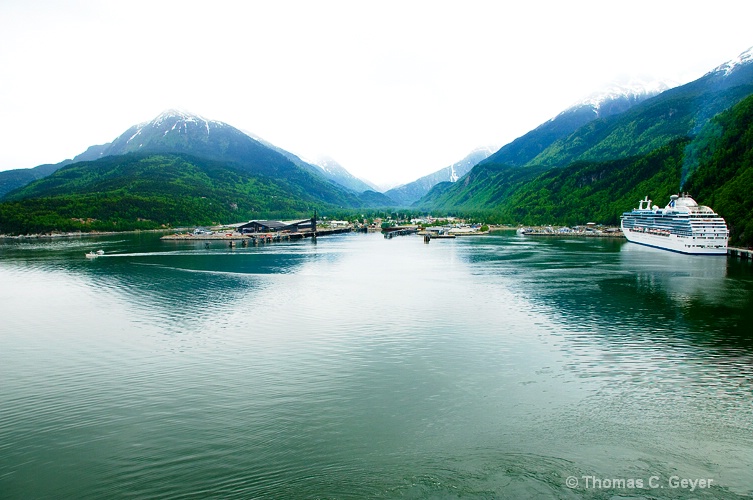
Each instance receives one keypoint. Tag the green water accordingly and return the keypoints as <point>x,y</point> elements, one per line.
<point>359,367</point>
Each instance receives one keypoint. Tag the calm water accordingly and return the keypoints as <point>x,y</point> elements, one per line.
<point>359,367</point>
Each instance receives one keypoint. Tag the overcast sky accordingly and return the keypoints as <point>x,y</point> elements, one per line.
<point>392,90</point>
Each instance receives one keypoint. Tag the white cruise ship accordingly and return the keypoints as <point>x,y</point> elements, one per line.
<point>682,226</point>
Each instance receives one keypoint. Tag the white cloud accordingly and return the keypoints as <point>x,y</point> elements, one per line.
<point>391,90</point>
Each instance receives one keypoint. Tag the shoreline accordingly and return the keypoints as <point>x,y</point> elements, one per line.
<point>80,234</point>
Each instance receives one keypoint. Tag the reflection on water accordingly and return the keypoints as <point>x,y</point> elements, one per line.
<point>682,278</point>
<point>364,367</point>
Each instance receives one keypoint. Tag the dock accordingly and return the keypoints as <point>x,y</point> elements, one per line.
<point>741,253</point>
<point>390,232</point>
<point>234,238</point>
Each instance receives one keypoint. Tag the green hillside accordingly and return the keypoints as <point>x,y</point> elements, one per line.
<point>717,163</point>
<point>484,187</point>
<point>674,114</point>
<point>596,191</point>
<point>723,178</point>
<point>19,177</point>
<point>141,191</point>
<point>176,132</point>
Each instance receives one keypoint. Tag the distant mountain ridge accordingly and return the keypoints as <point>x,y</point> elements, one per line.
<point>407,194</point>
<point>339,174</point>
<point>11,180</point>
<point>327,167</point>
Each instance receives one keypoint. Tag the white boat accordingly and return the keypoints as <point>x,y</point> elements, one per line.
<point>682,226</point>
<point>93,255</point>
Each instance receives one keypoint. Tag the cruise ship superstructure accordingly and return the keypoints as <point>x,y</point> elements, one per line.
<point>682,226</point>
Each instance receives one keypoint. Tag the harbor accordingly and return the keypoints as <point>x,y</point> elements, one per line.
<point>263,231</point>
<point>238,235</point>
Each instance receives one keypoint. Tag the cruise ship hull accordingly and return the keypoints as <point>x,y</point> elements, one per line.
<point>675,243</point>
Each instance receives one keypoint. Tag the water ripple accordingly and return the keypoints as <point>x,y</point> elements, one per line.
<point>362,367</point>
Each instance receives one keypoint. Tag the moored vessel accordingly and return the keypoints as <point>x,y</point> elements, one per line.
<point>682,226</point>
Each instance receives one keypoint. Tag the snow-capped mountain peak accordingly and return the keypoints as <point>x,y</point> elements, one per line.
<point>631,90</point>
<point>337,173</point>
<point>175,121</point>
<point>176,115</point>
<point>329,165</point>
<point>731,65</point>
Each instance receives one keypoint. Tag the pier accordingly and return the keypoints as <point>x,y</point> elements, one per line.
<point>238,239</point>
<point>399,231</point>
<point>742,253</point>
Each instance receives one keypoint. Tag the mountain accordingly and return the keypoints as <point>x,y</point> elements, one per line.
<point>19,177</point>
<point>337,173</point>
<point>171,131</point>
<point>611,101</point>
<point>326,167</point>
<point>181,132</point>
<point>674,114</point>
<point>698,136</point>
<point>677,112</point>
<point>723,176</point>
<point>152,190</point>
<point>175,169</point>
<point>407,194</point>
<point>142,191</point>
<point>375,199</point>
<point>176,131</point>
<point>576,194</point>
